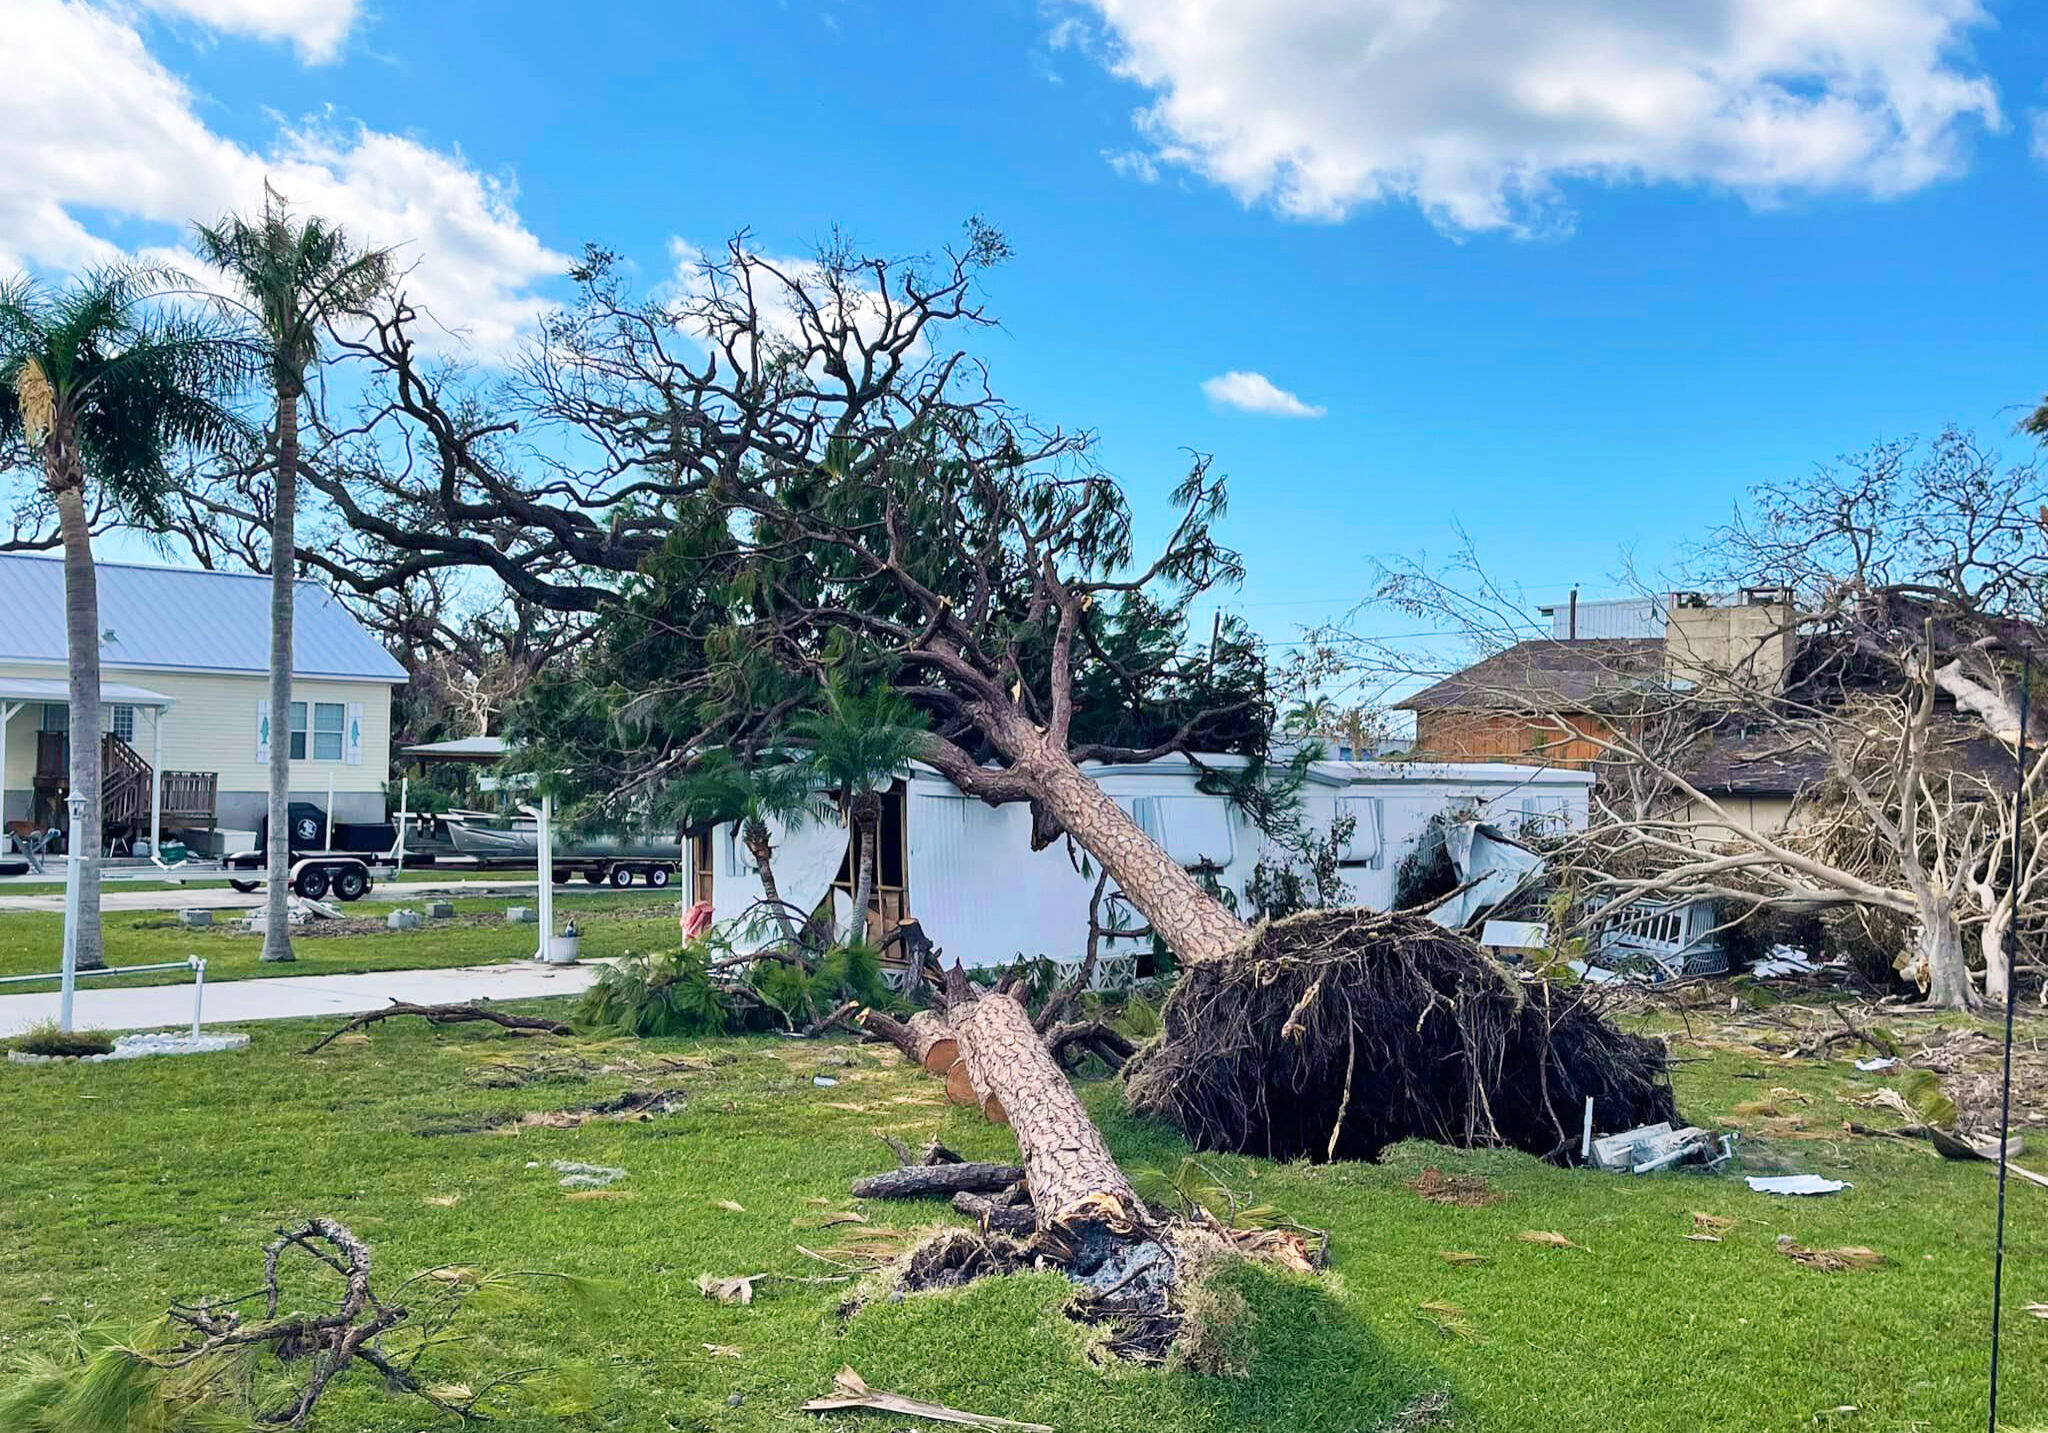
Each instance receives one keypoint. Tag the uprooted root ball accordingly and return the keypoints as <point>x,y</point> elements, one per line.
<point>1334,1034</point>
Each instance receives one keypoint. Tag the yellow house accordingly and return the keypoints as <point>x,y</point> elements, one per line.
<point>185,710</point>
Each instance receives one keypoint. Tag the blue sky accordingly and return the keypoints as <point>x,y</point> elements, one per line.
<point>1572,336</point>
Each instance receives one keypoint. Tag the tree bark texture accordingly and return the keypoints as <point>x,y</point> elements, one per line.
<point>866,813</point>
<point>82,643</point>
<point>914,1180</point>
<point>277,926</point>
<point>1068,1168</point>
<point>1940,944</point>
<point>1991,943</point>
<point>935,1046</point>
<point>1195,925</point>
<point>755,832</point>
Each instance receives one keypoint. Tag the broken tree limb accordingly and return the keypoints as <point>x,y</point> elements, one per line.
<point>912,1181</point>
<point>888,1027</point>
<point>995,1216</point>
<point>445,1015</point>
<point>1069,1039</point>
<point>854,1393</point>
<point>1071,1174</point>
<point>825,1022</point>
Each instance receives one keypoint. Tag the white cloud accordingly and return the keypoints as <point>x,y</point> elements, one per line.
<point>315,28</point>
<point>1477,109</point>
<point>1256,393</point>
<point>107,153</point>
<point>1133,164</point>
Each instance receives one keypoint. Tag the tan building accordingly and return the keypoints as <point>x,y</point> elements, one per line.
<point>185,711</point>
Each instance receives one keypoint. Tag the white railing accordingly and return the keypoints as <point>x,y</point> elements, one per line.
<point>195,964</point>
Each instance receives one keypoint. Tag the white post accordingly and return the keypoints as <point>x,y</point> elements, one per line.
<point>7,711</point>
<point>327,839</point>
<point>547,876</point>
<point>398,851</point>
<point>71,864</point>
<point>156,786</point>
<point>198,990</point>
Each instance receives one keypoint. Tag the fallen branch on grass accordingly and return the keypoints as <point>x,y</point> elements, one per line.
<point>854,1393</point>
<point>913,1181</point>
<point>444,1015</point>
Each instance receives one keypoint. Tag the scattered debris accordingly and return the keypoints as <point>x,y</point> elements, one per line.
<point>1708,1228</point>
<point>1467,1191</point>
<point>1459,1259</point>
<point>1877,1062</point>
<point>913,1180</point>
<point>823,1082</point>
<point>853,1392</point>
<point>2039,1311</point>
<point>1550,1238</point>
<point>739,1288</point>
<point>730,1206</point>
<point>722,1350</point>
<point>586,1176</point>
<point>1447,1318</point>
<point>1659,1146</point>
<point>1784,960</point>
<point>1829,1261</point>
<point>1796,1184</point>
<point>442,1201</point>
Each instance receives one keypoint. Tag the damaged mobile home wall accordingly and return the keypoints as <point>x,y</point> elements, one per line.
<point>984,897</point>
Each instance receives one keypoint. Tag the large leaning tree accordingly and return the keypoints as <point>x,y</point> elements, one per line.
<point>785,473</point>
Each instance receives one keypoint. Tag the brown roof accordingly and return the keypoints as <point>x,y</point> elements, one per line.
<point>1545,675</point>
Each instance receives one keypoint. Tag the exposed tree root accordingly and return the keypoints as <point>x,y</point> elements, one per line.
<point>1335,1033</point>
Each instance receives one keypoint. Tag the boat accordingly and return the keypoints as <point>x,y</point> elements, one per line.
<point>497,837</point>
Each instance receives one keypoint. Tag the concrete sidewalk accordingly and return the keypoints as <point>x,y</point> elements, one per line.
<point>291,997</point>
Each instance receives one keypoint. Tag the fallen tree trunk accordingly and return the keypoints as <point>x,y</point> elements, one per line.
<point>932,1043</point>
<point>1068,1168</point>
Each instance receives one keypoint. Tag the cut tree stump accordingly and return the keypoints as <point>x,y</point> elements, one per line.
<point>912,1181</point>
<point>932,1042</point>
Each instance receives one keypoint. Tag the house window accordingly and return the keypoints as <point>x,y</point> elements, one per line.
<point>123,724</point>
<point>56,716</point>
<point>328,721</point>
<point>327,724</point>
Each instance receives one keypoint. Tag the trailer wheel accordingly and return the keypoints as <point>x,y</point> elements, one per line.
<point>245,887</point>
<point>595,875</point>
<point>621,877</point>
<point>559,876</point>
<point>657,876</point>
<point>312,883</point>
<point>351,884</point>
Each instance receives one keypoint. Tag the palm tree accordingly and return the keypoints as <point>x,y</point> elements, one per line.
<point>102,384</point>
<point>295,276</point>
<point>859,742</point>
<point>727,788</point>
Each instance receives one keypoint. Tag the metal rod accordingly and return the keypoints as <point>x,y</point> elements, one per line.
<point>107,970</point>
<point>2019,810</point>
<point>198,990</point>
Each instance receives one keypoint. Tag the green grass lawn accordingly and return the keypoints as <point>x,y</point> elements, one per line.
<point>128,1185</point>
<point>612,923</point>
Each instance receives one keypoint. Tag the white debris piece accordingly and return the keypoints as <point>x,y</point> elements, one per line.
<point>1882,1062</point>
<point>1649,1148</point>
<point>586,1176</point>
<point>135,1047</point>
<point>1784,960</point>
<point>1797,1184</point>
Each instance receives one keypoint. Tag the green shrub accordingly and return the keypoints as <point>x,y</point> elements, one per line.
<point>46,1039</point>
<point>667,994</point>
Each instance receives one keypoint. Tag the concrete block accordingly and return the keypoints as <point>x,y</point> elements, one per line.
<point>440,910</point>
<point>195,919</point>
<point>520,915</point>
<point>402,920</point>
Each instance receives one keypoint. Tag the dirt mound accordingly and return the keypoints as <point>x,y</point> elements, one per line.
<point>1334,1034</point>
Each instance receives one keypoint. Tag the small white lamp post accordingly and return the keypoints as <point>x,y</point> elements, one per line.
<point>545,870</point>
<point>72,858</point>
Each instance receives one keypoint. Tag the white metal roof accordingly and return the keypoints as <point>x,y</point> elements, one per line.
<point>185,619</point>
<point>45,689</point>
<point>462,748</point>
